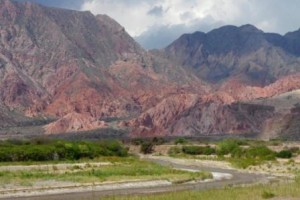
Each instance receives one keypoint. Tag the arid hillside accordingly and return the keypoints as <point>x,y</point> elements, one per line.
<point>69,71</point>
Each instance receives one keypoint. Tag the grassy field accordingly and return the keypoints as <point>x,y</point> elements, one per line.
<point>258,192</point>
<point>121,169</point>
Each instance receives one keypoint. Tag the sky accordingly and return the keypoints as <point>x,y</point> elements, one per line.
<point>156,23</point>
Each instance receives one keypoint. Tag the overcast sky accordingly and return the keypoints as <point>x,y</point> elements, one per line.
<point>156,23</point>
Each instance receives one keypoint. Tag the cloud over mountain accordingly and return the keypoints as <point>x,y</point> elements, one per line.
<point>156,23</point>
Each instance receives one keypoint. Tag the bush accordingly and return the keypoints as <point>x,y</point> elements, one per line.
<point>261,153</point>
<point>198,150</point>
<point>180,141</point>
<point>241,142</point>
<point>284,154</point>
<point>229,147</point>
<point>58,150</point>
<point>253,156</point>
<point>114,148</point>
<point>147,148</point>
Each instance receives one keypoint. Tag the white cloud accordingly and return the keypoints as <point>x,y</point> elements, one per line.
<point>134,15</point>
<point>130,14</point>
<point>152,18</point>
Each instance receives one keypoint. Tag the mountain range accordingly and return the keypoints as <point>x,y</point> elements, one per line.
<point>65,71</point>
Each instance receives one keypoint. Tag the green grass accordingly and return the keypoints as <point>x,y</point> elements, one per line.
<point>257,192</point>
<point>122,169</point>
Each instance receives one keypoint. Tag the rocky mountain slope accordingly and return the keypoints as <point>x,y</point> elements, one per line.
<point>245,52</point>
<point>78,68</point>
<point>287,115</point>
<point>241,64</point>
<point>72,71</point>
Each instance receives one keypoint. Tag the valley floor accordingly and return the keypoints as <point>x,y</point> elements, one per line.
<point>177,174</point>
<point>178,180</point>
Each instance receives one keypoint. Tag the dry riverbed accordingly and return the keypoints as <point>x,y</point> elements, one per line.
<point>88,176</point>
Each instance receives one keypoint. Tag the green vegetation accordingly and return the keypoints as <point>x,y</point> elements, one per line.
<point>180,141</point>
<point>174,151</point>
<point>154,141</point>
<point>127,168</point>
<point>198,150</point>
<point>260,153</point>
<point>284,154</point>
<point>258,192</point>
<point>241,153</point>
<point>267,195</point>
<point>231,147</point>
<point>245,157</point>
<point>47,150</point>
<point>82,158</point>
<point>147,144</point>
<point>147,147</point>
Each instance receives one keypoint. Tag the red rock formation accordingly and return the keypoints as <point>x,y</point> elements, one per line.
<point>74,122</point>
<point>82,70</point>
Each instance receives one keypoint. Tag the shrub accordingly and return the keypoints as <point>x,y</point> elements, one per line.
<point>241,142</point>
<point>208,150</point>
<point>180,141</point>
<point>260,152</point>
<point>59,150</point>
<point>147,147</point>
<point>254,155</point>
<point>284,154</point>
<point>198,150</point>
<point>237,152</point>
<point>114,148</point>
<point>228,147</point>
<point>192,150</point>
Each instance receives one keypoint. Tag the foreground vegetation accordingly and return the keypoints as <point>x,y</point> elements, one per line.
<point>240,153</point>
<point>85,158</point>
<point>120,169</point>
<point>257,192</point>
<point>57,150</point>
<point>79,162</point>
